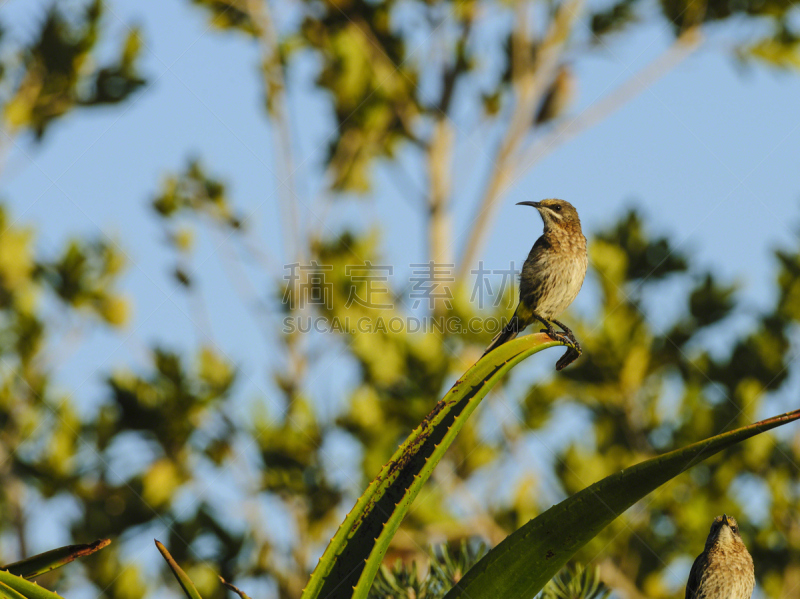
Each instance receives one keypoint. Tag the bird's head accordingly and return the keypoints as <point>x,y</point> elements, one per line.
<point>556,214</point>
<point>724,531</point>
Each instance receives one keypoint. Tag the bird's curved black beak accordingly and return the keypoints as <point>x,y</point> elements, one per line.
<point>725,520</point>
<point>534,204</point>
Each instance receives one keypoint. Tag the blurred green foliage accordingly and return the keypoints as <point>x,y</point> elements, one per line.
<point>58,71</point>
<point>639,389</point>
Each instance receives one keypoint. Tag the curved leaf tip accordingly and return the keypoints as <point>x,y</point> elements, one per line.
<point>183,579</point>
<point>50,560</point>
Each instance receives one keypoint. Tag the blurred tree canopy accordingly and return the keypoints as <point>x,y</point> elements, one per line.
<point>636,391</point>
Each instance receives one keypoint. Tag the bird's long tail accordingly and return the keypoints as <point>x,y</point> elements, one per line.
<point>510,331</point>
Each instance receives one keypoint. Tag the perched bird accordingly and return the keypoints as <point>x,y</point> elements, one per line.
<point>725,569</point>
<point>551,276</point>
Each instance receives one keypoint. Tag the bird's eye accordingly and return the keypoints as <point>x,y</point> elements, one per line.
<point>735,529</point>
<point>557,208</point>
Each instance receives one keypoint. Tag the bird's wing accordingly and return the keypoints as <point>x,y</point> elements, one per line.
<point>693,583</point>
<point>528,280</point>
<point>541,244</point>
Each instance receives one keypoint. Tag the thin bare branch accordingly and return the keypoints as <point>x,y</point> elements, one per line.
<point>460,64</point>
<point>255,305</point>
<point>275,95</point>
<point>440,157</point>
<point>6,141</point>
<point>684,46</point>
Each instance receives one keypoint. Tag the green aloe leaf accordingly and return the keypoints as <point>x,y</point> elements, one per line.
<point>14,587</point>
<point>186,583</point>
<point>523,563</point>
<point>353,556</point>
<point>6,592</point>
<point>50,560</point>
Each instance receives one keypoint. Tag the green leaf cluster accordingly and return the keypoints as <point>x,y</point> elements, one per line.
<point>58,70</point>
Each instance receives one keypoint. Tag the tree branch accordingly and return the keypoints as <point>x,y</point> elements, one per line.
<point>683,46</point>
<point>440,155</point>
<point>459,66</point>
<point>275,95</point>
<point>439,158</point>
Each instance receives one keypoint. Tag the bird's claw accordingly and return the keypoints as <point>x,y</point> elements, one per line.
<point>562,336</point>
<point>573,352</point>
<point>571,338</point>
<point>574,349</point>
<point>553,334</point>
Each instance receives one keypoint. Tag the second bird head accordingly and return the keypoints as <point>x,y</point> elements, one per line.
<point>556,213</point>
<point>724,531</point>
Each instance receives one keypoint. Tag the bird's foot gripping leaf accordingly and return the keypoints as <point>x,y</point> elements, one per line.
<point>551,331</point>
<point>574,349</point>
<point>573,352</point>
<point>565,336</point>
